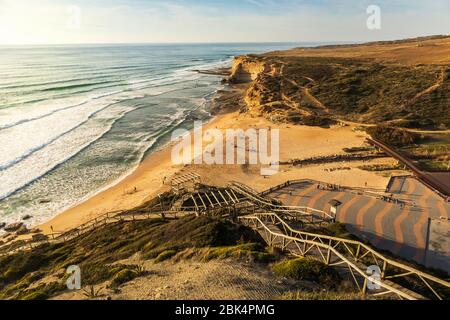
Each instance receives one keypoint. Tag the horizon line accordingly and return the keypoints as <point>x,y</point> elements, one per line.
<point>359,41</point>
<point>167,43</point>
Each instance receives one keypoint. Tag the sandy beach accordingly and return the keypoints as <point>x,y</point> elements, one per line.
<point>296,142</point>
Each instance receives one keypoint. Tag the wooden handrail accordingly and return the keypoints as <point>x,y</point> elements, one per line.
<point>281,208</point>
<point>91,225</point>
<point>386,261</point>
<point>339,255</point>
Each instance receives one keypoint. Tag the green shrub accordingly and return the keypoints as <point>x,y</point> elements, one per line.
<point>42,292</point>
<point>254,251</point>
<point>333,229</point>
<point>95,273</point>
<point>393,136</point>
<point>165,255</point>
<point>325,295</point>
<point>307,269</point>
<point>123,276</point>
<point>23,284</point>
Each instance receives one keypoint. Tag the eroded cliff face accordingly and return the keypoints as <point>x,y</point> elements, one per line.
<point>247,68</point>
<point>263,97</point>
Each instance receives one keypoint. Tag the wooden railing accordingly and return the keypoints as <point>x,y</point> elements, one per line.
<point>356,191</point>
<point>315,215</point>
<point>337,251</point>
<point>436,185</point>
<point>90,226</point>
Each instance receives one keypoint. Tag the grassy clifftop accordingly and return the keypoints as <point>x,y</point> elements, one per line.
<point>40,274</point>
<point>311,86</point>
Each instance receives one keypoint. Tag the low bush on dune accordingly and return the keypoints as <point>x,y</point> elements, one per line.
<point>252,251</point>
<point>326,295</point>
<point>165,255</point>
<point>393,136</point>
<point>310,120</point>
<point>123,276</point>
<point>308,269</point>
<point>41,292</point>
<point>192,232</point>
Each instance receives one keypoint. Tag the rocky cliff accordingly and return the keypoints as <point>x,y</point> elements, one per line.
<point>247,68</point>
<point>320,90</point>
<point>271,94</point>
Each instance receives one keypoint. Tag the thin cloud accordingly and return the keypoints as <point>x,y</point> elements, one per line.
<point>26,21</point>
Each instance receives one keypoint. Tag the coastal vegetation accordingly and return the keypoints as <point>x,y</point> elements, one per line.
<point>433,152</point>
<point>321,86</point>
<point>393,136</point>
<point>105,256</point>
<point>308,269</point>
<point>315,91</point>
<point>325,295</point>
<point>25,274</point>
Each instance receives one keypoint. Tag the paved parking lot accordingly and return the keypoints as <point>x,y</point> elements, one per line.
<point>399,226</point>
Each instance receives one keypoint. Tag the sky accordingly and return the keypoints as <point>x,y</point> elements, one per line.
<point>176,21</point>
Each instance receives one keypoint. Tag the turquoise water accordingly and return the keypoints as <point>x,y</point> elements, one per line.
<point>74,119</point>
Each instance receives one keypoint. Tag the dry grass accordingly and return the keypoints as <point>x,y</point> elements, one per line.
<point>325,295</point>
<point>96,253</point>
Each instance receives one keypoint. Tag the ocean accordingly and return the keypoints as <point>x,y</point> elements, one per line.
<point>75,119</point>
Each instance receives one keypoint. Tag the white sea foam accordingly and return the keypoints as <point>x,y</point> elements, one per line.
<point>46,158</point>
<point>60,139</point>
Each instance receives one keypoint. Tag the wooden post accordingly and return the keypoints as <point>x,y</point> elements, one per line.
<point>329,252</point>
<point>427,243</point>
<point>383,271</point>
<point>364,288</point>
<point>358,250</point>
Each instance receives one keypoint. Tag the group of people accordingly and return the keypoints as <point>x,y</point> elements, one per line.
<point>393,200</point>
<point>328,186</point>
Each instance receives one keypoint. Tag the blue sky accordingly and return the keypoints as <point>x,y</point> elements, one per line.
<point>137,21</point>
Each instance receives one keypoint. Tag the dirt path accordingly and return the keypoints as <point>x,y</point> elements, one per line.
<point>307,92</point>
<point>214,280</point>
<point>429,90</point>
